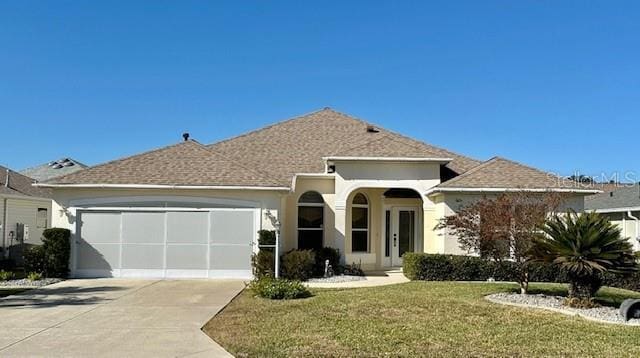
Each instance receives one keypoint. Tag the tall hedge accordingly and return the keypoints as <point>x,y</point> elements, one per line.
<point>57,248</point>
<point>435,267</point>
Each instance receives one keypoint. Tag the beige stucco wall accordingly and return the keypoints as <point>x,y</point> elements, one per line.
<point>449,203</point>
<point>265,200</point>
<point>627,226</point>
<point>324,186</point>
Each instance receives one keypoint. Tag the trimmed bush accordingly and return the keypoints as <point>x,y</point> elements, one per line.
<point>263,263</point>
<point>57,249</point>
<point>266,237</point>
<point>34,259</point>
<point>7,264</point>
<point>435,267</point>
<point>326,253</point>
<point>6,275</point>
<point>298,264</point>
<point>279,289</point>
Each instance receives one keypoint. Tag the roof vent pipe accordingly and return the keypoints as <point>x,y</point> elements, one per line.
<point>6,182</point>
<point>185,135</point>
<point>372,129</point>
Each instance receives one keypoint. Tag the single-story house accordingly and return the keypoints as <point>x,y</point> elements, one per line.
<point>621,204</point>
<point>25,211</point>
<point>324,179</point>
<point>53,169</point>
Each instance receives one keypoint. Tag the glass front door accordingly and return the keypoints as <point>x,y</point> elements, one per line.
<point>402,233</point>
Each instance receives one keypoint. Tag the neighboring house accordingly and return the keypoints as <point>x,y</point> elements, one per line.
<point>325,178</point>
<point>22,204</point>
<point>621,203</point>
<point>53,169</point>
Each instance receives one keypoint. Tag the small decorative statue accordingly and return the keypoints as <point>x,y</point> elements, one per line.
<point>328,270</point>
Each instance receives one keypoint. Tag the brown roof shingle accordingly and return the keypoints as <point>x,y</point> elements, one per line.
<point>298,145</point>
<point>20,185</point>
<point>502,173</point>
<point>185,163</point>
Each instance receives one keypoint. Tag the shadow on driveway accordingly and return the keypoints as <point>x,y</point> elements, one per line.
<point>60,296</point>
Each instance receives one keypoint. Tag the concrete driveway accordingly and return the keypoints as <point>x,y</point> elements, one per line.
<point>114,318</point>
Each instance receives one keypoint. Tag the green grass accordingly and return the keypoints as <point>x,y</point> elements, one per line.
<point>415,319</point>
<point>4,292</point>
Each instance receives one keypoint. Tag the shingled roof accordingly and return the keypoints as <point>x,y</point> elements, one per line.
<point>186,163</point>
<point>622,196</point>
<point>500,173</point>
<point>53,169</point>
<point>299,144</point>
<point>20,185</point>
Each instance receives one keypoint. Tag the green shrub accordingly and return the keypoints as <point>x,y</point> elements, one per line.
<point>266,237</point>
<point>587,246</point>
<point>34,276</point>
<point>298,264</point>
<point>435,267</point>
<point>279,289</point>
<point>263,263</point>
<point>350,270</point>
<point>34,259</point>
<point>322,255</point>
<point>57,248</point>
<point>6,275</point>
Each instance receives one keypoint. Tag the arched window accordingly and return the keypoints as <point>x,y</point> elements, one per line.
<point>310,221</point>
<point>360,224</point>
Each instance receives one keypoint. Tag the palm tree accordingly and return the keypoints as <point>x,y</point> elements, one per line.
<point>586,246</point>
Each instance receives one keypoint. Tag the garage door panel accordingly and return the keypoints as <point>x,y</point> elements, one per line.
<point>100,227</point>
<point>230,257</point>
<point>142,256</point>
<point>216,243</point>
<point>187,227</point>
<point>232,227</point>
<point>187,257</point>
<point>98,256</point>
<point>143,228</point>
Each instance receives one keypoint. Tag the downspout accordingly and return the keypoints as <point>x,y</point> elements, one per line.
<point>637,227</point>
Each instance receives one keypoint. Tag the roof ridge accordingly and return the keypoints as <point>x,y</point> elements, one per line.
<point>43,164</point>
<point>272,125</point>
<point>121,159</point>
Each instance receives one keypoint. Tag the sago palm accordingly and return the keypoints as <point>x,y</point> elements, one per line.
<point>586,246</point>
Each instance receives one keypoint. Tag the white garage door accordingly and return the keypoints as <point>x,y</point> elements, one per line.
<point>171,244</point>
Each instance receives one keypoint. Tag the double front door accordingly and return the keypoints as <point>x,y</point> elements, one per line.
<point>401,229</point>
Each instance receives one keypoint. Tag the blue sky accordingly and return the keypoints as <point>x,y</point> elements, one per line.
<point>553,84</point>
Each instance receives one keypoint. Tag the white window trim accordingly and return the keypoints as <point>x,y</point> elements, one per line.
<point>314,205</point>
<point>363,206</point>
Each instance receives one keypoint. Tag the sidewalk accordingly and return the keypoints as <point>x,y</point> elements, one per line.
<point>372,279</point>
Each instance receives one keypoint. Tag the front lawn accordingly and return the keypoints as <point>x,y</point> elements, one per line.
<point>415,319</point>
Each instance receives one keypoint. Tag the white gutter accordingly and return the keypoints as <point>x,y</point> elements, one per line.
<point>24,197</point>
<point>158,186</point>
<point>387,159</point>
<point>617,210</point>
<point>510,190</point>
